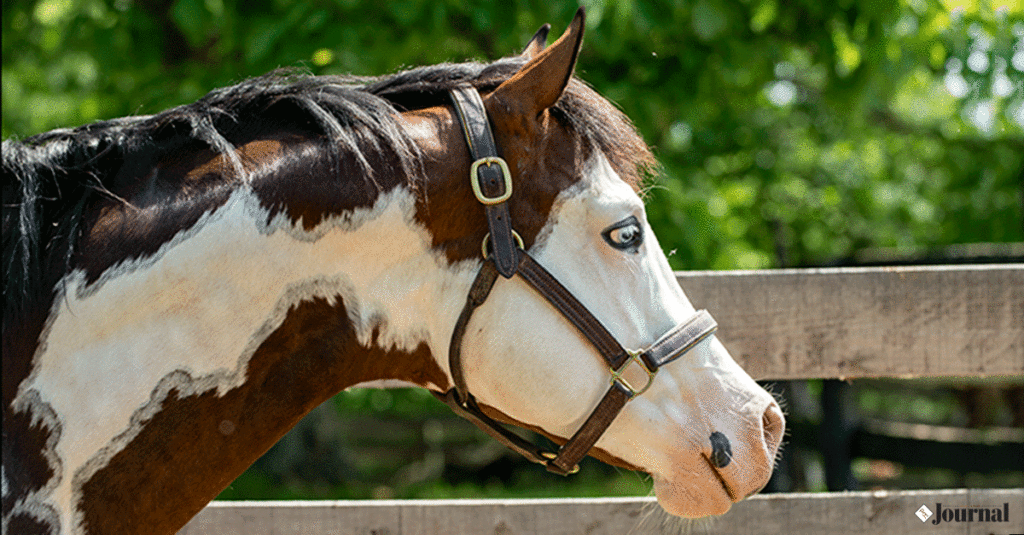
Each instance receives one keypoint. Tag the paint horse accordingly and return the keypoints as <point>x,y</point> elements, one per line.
<point>182,288</point>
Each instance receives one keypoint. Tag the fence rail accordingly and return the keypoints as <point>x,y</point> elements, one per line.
<point>930,321</point>
<point>937,321</point>
<point>850,513</point>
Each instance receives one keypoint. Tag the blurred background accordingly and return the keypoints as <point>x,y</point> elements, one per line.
<point>792,134</point>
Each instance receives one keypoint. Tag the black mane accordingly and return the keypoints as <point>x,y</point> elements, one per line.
<point>50,179</point>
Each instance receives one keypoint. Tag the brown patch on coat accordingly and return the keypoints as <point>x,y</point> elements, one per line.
<point>182,458</point>
<point>292,175</point>
<point>541,169</point>
<point>27,469</point>
<point>306,183</point>
<point>158,203</point>
<point>26,436</point>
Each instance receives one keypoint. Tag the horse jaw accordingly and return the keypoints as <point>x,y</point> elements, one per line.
<point>537,368</point>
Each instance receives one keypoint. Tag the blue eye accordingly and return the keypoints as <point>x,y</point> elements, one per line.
<point>626,235</point>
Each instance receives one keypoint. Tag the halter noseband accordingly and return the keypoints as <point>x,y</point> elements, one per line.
<point>492,185</point>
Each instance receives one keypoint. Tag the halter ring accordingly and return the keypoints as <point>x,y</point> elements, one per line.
<point>487,238</point>
<point>618,375</point>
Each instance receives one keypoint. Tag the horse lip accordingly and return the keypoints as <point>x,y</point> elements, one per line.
<point>757,490</point>
<point>725,486</point>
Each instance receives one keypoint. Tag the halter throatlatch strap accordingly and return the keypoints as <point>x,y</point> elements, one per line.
<point>492,185</point>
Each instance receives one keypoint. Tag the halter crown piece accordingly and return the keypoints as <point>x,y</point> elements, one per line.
<point>492,185</point>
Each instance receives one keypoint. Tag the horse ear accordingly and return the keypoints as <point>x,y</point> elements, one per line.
<point>537,42</point>
<point>539,83</point>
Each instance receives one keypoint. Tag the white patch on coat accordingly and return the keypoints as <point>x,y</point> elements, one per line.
<point>537,368</point>
<point>191,316</point>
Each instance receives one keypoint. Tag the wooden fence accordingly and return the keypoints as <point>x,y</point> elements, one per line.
<point>849,513</point>
<point>844,323</point>
<point>938,321</point>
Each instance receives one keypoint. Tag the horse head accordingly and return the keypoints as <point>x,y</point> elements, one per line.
<point>704,430</point>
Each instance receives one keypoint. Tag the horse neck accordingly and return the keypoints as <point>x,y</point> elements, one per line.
<point>205,352</point>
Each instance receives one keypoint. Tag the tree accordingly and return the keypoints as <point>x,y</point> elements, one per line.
<point>790,133</point>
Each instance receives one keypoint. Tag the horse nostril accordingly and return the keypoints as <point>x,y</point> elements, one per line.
<point>774,424</point>
<point>721,451</point>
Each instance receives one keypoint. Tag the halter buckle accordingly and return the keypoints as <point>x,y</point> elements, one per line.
<point>618,376</point>
<point>506,175</point>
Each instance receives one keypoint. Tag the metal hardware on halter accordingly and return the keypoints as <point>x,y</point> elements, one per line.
<point>506,175</point>
<point>551,456</point>
<point>487,238</point>
<point>618,375</point>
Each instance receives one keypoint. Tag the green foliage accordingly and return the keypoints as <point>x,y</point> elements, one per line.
<point>790,133</point>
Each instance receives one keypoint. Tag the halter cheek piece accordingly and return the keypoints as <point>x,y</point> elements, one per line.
<point>492,185</point>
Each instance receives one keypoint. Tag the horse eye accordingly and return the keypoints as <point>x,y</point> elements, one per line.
<point>626,235</point>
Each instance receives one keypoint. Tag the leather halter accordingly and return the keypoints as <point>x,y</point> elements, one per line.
<point>492,185</point>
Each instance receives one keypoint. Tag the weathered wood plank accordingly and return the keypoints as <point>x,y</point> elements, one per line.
<point>851,513</point>
<point>930,321</point>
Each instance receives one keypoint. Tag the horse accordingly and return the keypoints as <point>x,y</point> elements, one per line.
<point>181,288</point>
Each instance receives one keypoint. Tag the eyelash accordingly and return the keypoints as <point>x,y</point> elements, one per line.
<point>632,245</point>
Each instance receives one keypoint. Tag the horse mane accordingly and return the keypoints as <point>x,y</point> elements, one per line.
<point>51,179</point>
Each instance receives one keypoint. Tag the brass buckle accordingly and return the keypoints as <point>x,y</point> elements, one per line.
<point>475,182</point>
<point>618,375</point>
<point>487,238</point>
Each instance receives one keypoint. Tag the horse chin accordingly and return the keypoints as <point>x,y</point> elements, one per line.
<point>695,495</point>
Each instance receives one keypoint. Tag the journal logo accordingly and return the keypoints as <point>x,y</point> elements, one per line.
<point>963,514</point>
